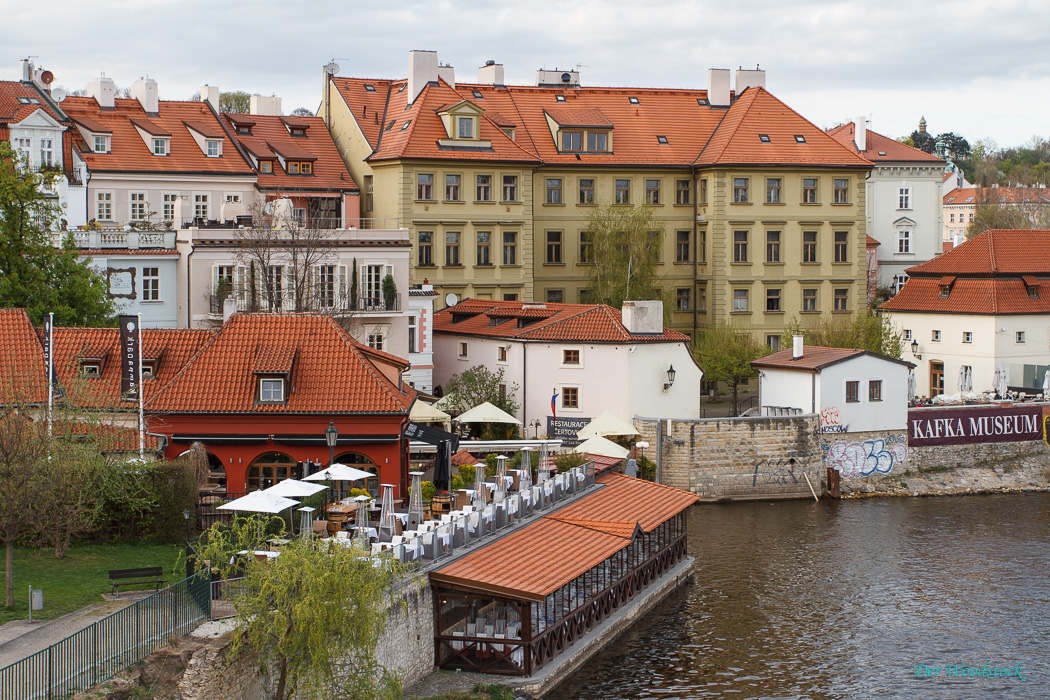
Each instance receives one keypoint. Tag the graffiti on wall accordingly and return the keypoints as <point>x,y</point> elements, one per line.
<point>831,422</point>
<point>774,472</point>
<point>875,456</point>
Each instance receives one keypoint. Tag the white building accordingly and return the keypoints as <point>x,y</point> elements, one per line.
<point>572,362</point>
<point>903,200</point>
<point>984,306</point>
<point>851,390</point>
<point>421,337</point>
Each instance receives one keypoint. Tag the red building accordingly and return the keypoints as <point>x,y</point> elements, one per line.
<point>260,394</point>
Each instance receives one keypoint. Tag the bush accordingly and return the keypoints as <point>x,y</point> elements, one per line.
<point>568,460</point>
<point>646,468</point>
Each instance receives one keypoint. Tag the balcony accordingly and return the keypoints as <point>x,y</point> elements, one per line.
<point>117,239</point>
<point>314,301</point>
<point>353,230</point>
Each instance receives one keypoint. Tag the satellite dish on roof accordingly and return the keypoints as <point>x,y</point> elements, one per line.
<point>451,299</point>
<point>47,77</point>
<point>332,68</point>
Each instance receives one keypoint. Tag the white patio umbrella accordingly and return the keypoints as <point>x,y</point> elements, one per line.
<point>606,424</point>
<point>260,502</point>
<point>601,446</point>
<point>339,472</point>
<point>961,383</point>
<point>487,413</point>
<point>425,413</point>
<point>291,488</point>
<point>969,379</point>
<point>911,385</point>
<point>1046,383</point>
<point>1000,382</point>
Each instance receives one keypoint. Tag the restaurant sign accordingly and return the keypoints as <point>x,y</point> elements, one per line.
<point>966,426</point>
<point>565,429</point>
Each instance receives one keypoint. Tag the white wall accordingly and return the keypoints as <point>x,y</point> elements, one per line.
<point>647,373</point>
<point>891,413</point>
<point>421,373</point>
<point>156,186</point>
<point>925,183</point>
<point>786,388</point>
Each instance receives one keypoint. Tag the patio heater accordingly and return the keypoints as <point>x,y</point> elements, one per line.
<point>361,521</point>
<point>501,478</point>
<point>415,504</point>
<point>526,465</point>
<point>306,521</point>
<point>480,492</point>
<point>386,513</point>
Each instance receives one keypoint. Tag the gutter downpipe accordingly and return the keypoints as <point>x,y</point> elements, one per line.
<point>660,451</point>
<point>524,391</point>
<point>696,245</point>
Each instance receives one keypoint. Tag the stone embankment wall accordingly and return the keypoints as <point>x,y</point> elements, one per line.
<point>737,458</point>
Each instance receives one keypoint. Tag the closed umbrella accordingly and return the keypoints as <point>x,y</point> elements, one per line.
<point>1046,383</point>
<point>961,383</point>
<point>1000,383</point>
<point>969,379</point>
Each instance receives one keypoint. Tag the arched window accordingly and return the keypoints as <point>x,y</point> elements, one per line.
<point>360,461</point>
<point>269,468</point>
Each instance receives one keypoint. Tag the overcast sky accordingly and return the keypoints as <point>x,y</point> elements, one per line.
<point>974,67</point>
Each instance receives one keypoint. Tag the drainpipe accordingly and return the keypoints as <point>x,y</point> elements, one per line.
<point>524,390</point>
<point>813,393</point>
<point>659,451</point>
<point>189,294</point>
<point>696,247</point>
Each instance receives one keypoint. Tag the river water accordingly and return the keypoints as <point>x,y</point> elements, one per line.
<point>844,599</point>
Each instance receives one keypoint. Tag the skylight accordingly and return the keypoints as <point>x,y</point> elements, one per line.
<point>764,138</point>
<point>969,199</point>
<point>370,88</point>
<point>951,199</point>
<point>401,89</point>
<point>799,138</point>
<point>560,98</point>
<point>661,139</point>
<point>477,94</point>
<point>391,124</point>
<point>633,100</point>
<point>702,101</point>
<point>405,125</point>
<point>882,153</point>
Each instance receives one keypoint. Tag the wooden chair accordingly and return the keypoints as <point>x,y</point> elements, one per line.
<point>320,527</point>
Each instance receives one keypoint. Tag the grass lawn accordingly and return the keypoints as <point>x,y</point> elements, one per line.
<point>81,577</point>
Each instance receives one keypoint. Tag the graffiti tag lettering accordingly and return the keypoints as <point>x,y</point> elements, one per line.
<point>777,472</point>
<point>831,421</point>
<point>878,455</point>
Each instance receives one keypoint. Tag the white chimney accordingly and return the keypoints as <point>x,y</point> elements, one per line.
<point>26,69</point>
<point>448,74</point>
<point>264,106</point>
<point>643,316</point>
<point>210,94</point>
<point>103,90</point>
<point>229,307</point>
<point>557,78</point>
<point>860,133</point>
<point>145,91</point>
<point>422,69</point>
<point>796,347</point>
<point>749,78</point>
<point>718,87</point>
<point>491,73</point>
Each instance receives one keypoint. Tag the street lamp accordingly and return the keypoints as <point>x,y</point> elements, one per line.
<point>670,378</point>
<point>331,434</point>
<point>537,425</point>
<point>915,349</point>
<point>186,515</point>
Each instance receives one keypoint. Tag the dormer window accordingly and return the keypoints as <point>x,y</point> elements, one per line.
<point>271,389</point>
<point>572,140</point>
<point>1031,285</point>
<point>465,127</point>
<point>297,131</point>
<point>244,130</point>
<point>160,147</point>
<point>213,148</point>
<point>509,131</point>
<point>149,369</point>
<point>304,167</point>
<point>101,143</point>
<point>91,369</point>
<point>597,141</point>
<point>266,166</point>
<point>946,286</point>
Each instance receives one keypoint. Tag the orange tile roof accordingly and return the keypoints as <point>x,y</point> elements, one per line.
<point>545,555</point>
<point>269,137</point>
<point>816,357</point>
<point>108,437</point>
<point>882,148</point>
<point>169,348</point>
<point>331,374</point>
<point>575,116</point>
<point>1001,195</point>
<point>13,111</point>
<point>999,251</point>
<point>274,359</point>
<point>871,242</point>
<point>756,112</point>
<point>23,376</point>
<point>570,323</point>
<point>129,153</point>
<point>986,296</point>
<point>150,128</point>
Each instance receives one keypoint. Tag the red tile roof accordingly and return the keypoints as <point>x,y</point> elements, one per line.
<point>545,555</point>
<point>871,242</point>
<point>1001,195</point>
<point>879,148</point>
<point>574,116</point>
<point>129,153</point>
<point>816,357</point>
<point>13,110</point>
<point>108,437</point>
<point>332,372</point>
<point>755,113</point>
<point>274,359</point>
<point>999,251</point>
<point>23,376</point>
<point>150,128</point>
<point>986,296</point>
<point>270,137</point>
<point>570,323</point>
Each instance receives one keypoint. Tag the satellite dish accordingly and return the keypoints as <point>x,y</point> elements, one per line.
<point>332,68</point>
<point>47,77</point>
<point>451,299</point>
<point>58,94</point>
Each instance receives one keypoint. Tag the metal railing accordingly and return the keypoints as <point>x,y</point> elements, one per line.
<point>107,647</point>
<point>317,301</point>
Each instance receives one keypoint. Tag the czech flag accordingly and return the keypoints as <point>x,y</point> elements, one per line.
<point>554,403</point>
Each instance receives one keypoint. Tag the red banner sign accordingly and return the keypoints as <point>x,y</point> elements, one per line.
<point>966,426</point>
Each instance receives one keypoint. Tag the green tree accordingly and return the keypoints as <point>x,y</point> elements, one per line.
<point>725,353</point>
<point>236,101</point>
<point>23,448</point>
<point>315,612</point>
<point>866,331</point>
<point>34,274</point>
<point>477,385</point>
<point>922,140</point>
<point>625,253</point>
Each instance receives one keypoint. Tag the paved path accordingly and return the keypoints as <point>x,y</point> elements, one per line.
<point>21,638</point>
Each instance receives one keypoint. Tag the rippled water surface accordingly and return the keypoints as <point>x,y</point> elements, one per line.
<point>843,600</point>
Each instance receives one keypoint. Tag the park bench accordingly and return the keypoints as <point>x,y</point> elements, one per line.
<point>144,576</point>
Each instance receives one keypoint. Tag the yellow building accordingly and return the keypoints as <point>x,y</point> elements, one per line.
<point>762,212</point>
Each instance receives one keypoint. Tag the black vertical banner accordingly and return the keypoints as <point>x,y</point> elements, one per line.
<point>48,367</point>
<point>130,339</point>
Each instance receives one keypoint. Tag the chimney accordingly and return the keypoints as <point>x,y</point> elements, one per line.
<point>557,78</point>
<point>643,316</point>
<point>103,90</point>
<point>749,78</point>
<point>422,69</point>
<point>229,307</point>
<point>718,87</point>
<point>210,94</point>
<point>491,73</point>
<point>796,347</point>
<point>448,74</point>
<point>145,91</point>
<point>26,69</point>
<point>860,133</point>
<point>264,106</point>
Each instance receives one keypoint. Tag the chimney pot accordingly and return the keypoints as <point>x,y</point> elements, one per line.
<point>491,73</point>
<point>145,91</point>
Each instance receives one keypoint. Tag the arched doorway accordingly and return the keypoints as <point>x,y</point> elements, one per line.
<point>360,461</point>
<point>267,469</point>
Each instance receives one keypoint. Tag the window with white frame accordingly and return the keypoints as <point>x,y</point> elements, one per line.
<point>740,300</point>
<point>101,143</point>
<point>465,127</point>
<point>25,148</point>
<point>326,286</point>
<point>1019,337</point>
<point>903,240</point>
<point>47,152</point>
<point>138,206</point>
<point>907,334</point>
<point>904,198</point>
<point>200,206</point>
<point>898,281</point>
<point>233,198</point>
<point>375,341</point>
<point>501,353</point>
<point>510,188</point>
<point>413,330</point>
<point>967,336</point>
<point>104,206</point>
<point>151,284</point>
<point>213,148</point>
<point>935,336</point>
<point>168,206</point>
<point>271,390</point>
<point>160,147</point>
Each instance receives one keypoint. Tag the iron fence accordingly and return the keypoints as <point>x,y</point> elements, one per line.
<point>107,647</point>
